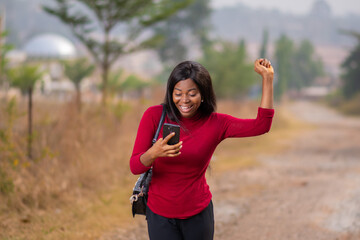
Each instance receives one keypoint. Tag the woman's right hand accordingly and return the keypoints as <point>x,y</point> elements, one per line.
<point>161,149</point>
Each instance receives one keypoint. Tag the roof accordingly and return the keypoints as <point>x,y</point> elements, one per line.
<point>49,46</point>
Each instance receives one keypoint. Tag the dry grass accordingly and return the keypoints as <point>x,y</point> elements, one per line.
<point>79,184</point>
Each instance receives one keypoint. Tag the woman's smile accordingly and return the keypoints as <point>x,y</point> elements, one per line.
<point>187,97</point>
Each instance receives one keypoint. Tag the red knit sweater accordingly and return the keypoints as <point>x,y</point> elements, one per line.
<point>178,188</point>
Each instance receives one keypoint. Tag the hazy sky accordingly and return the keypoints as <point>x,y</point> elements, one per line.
<point>338,7</point>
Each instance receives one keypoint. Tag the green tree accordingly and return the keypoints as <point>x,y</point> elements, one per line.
<point>134,83</point>
<point>4,49</point>
<point>76,71</point>
<point>232,74</point>
<point>89,19</point>
<point>306,67</point>
<point>190,24</point>
<point>284,52</point>
<point>264,44</point>
<point>351,69</point>
<point>24,77</point>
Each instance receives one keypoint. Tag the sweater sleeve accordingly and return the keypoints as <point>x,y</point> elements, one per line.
<point>144,136</point>
<point>236,127</point>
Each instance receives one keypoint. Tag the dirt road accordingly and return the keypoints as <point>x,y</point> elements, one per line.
<point>310,191</point>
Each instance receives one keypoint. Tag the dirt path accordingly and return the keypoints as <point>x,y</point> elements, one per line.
<point>310,191</point>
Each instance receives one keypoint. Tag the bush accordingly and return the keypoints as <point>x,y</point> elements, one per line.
<point>6,183</point>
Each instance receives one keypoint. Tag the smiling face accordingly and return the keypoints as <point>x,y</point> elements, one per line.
<point>186,97</point>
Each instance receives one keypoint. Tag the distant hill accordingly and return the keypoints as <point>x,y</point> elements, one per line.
<point>25,18</point>
<point>319,25</point>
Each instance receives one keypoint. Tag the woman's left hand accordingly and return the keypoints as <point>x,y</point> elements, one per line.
<point>263,67</point>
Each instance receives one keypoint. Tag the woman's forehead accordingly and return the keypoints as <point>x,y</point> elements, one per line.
<point>187,84</point>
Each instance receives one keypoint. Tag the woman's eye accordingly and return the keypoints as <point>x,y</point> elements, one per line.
<point>192,95</point>
<point>178,94</point>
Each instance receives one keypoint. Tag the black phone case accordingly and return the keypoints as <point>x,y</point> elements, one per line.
<point>169,128</point>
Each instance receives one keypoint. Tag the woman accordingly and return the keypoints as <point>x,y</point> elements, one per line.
<point>179,202</point>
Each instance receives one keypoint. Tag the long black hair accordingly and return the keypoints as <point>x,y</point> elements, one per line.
<point>198,73</point>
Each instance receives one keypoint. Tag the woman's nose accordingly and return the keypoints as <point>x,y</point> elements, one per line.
<point>185,99</point>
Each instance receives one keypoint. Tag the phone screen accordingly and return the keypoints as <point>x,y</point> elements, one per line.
<point>169,128</point>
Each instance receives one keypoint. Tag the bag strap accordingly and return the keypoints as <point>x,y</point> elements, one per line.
<point>159,126</point>
<point>162,118</point>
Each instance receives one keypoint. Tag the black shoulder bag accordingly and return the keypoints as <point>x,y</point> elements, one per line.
<point>140,191</point>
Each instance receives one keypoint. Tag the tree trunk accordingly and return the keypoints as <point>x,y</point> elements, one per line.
<point>78,98</point>
<point>105,72</point>
<point>30,91</point>
<point>105,66</point>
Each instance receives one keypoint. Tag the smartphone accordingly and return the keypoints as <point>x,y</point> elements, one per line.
<point>169,128</point>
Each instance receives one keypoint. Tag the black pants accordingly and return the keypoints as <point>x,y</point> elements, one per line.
<point>198,227</point>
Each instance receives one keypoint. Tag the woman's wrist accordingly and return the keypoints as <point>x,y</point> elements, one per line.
<point>147,158</point>
<point>268,76</point>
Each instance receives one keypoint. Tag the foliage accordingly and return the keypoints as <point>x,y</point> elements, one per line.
<point>24,77</point>
<point>296,66</point>
<point>9,150</point>
<point>102,17</point>
<point>231,72</point>
<point>133,82</point>
<point>4,49</point>
<point>6,183</point>
<point>188,25</point>
<point>306,66</point>
<point>351,68</point>
<point>264,44</point>
<point>76,71</point>
<point>283,55</point>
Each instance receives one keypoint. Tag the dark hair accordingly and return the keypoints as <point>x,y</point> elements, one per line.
<point>198,73</point>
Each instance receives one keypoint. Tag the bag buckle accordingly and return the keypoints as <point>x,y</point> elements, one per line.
<point>134,198</point>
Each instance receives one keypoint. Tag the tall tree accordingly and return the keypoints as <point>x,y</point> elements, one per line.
<point>190,25</point>
<point>264,44</point>
<point>231,72</point>
<point>283,54</point>
<point>351,69</point>
<point>90,20</point>
<point>4,49</point>
<point>25,77</point>
<point>306,67</point>
<point>76,71</point>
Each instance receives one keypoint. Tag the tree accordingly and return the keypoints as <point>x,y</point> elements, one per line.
<point>283,54</point>
<point>76,71</point>
<point>306,68</point>
<point>231,72</point>
<point>24,77</point>
<point>263,50</point>
<point>190,24</point>
<point>134,83</point>
<point>351,69</point>
<point>89,19</point>
<point>4,49</point>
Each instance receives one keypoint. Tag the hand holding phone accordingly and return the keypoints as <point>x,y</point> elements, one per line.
<point>169,128</point>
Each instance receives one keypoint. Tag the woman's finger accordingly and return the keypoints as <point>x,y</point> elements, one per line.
<point>168,137</point>
<point>172,151</point>
<point>174,155</point>
<point>175,146</point>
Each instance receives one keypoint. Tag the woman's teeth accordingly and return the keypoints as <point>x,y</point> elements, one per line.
<point>185,109</point>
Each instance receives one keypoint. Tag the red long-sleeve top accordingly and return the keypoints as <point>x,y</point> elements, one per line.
<point>178,188</point>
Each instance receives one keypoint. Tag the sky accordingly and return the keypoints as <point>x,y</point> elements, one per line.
<point>338,7</point>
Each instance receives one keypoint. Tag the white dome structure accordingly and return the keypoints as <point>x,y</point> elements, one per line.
<point>49,46</point>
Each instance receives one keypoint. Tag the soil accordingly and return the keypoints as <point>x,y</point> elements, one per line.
<point>309,191</point>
